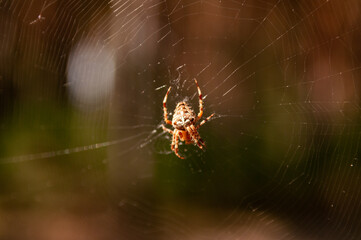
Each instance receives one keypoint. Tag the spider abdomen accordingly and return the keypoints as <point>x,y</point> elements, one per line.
<point>183,117</point>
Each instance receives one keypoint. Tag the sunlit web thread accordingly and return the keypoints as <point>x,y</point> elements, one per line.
<point>51,154</point>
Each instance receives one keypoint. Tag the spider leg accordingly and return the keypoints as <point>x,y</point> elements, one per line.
<point>165,108</point>
<point>200,101</point>
<point>167,130</point>
<point>200,140</point>
<point>195,136</point>
<point>174,146</point>
<point>205,120</point>
<point>173,142</point>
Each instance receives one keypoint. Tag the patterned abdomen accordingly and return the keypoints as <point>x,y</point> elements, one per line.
<point>183,116</point>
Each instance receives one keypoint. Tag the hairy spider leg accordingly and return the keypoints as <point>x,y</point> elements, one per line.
<point>200,101</point>
<point>205,120</point>
<point>165,108</point>
<point>167,129</point>
<point>198,136</point>
<point>174,145</point>
<point>195,136</point>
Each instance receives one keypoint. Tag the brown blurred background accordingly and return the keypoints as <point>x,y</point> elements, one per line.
<point>82,153</point>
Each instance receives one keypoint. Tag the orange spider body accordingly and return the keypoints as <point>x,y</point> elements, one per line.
<point>184,122</point>
<point>182,118</point>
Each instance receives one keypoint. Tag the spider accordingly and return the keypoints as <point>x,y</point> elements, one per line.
<point>184,123</point>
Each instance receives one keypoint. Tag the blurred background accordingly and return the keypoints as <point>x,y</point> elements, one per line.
<point>82,151</point>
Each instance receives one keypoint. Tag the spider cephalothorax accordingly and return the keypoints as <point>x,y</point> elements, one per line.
<point>184,123</point>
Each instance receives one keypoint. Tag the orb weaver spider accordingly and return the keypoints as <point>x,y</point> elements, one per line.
<point>184,123</point>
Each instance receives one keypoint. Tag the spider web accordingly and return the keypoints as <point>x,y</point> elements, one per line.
<point>82,148</point>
